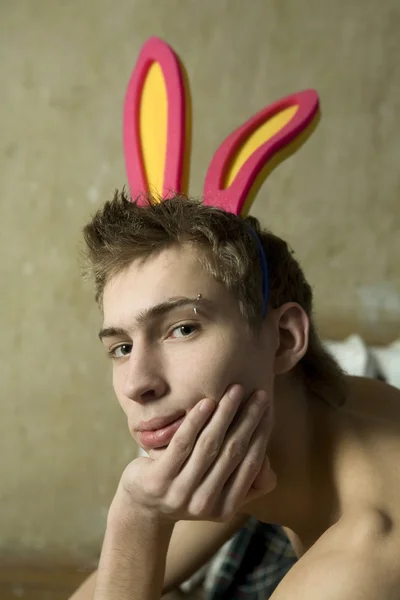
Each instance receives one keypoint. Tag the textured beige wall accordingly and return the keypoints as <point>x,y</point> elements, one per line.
<point>64,68</point>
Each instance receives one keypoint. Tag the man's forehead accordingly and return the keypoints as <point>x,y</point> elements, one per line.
<point>176,272</point>
<point>172,272</point>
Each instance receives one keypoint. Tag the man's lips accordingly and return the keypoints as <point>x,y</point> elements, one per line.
<point>159,432</point>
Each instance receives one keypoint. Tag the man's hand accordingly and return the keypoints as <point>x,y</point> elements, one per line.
<point>215,463</point>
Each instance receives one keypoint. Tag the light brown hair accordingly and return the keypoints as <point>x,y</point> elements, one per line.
<point>122,231</point>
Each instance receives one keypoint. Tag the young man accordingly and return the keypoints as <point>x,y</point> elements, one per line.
<point>242,416</point>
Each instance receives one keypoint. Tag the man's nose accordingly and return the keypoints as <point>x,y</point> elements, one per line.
<point>144,380</point>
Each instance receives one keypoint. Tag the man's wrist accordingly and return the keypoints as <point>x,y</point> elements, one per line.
<point>127,516</point>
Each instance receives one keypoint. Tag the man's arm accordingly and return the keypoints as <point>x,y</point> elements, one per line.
<point>193,543</point>
<point>208,472</point>
<point>132,563</point>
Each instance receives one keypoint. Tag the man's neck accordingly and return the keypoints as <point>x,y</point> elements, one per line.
<point>302,452</point>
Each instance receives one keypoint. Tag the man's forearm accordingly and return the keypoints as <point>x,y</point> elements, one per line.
<point>132,562</point>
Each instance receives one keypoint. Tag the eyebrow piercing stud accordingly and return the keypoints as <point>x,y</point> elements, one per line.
<point>195,308</point>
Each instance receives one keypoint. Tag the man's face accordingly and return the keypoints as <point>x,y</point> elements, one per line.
<point>168,356</point>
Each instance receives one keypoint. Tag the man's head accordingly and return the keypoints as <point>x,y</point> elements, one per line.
<point>150,263</point>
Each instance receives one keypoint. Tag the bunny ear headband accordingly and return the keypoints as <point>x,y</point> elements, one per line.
<point>157,127</point>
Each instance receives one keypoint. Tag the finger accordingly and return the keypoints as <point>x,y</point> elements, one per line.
<point>235,450</point>
<point>181,445</point>
<point>210,441</point>
<point>236,443</point>
<point>253,477</point>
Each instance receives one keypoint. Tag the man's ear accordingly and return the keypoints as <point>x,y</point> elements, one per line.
<point>292,330</point>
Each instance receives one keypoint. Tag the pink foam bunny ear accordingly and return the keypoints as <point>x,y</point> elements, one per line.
<point>250,153</point>
<point>156,128</point>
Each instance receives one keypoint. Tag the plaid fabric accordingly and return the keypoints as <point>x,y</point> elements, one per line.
<point>258,558</point>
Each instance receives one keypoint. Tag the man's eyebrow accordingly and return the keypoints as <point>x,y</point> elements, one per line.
<point>107,332</point>
<point>153,312</point>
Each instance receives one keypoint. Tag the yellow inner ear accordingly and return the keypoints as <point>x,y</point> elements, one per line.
<point>153,128</point>
<point>261,135</point>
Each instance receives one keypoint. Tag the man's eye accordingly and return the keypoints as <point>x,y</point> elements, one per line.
<point>120,351</point>
<point>183,331</point>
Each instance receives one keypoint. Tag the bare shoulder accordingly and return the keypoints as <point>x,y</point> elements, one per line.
<point>371,386</point>
<point>338,576</point>
<point>355,560</point>
<point>373,397</point>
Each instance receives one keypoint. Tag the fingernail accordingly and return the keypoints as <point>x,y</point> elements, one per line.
<point>235,392</point>
<point>206,405</point>
<point>261,397</point>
